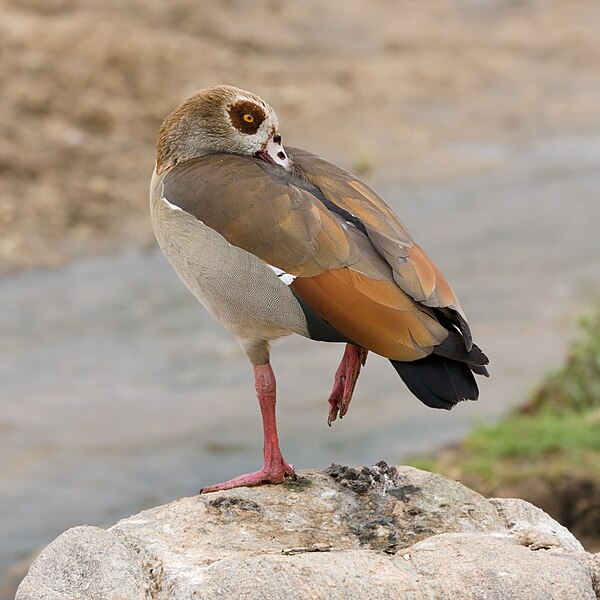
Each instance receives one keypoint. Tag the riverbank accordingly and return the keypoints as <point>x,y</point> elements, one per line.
<point>124,393</point>
<point>478,123</point>
<point>546,451</point>
<point>401,92</point>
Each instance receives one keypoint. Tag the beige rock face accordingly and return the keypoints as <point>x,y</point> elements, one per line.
<point>379,532</point>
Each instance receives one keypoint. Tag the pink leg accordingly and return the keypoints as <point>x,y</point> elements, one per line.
<point>345,379</point>
<point>274,468</point>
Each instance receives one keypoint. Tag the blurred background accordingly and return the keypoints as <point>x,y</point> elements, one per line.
<point>477,120</point>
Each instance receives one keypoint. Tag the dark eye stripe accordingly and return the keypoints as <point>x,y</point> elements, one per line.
<point>245,107</point>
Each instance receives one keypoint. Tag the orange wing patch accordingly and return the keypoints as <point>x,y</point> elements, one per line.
<point>375,314</point>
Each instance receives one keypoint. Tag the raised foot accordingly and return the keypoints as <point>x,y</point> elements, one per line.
<point>345,380</point>
<point>272,474</point>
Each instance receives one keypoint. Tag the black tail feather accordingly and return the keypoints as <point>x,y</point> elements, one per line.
<point>454,347</point>
<point>438,381</point>
<point>450,319</point>
<point>479,370</point>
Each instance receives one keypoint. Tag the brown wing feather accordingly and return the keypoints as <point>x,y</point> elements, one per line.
<point>413,270</point>
<point>358,283</point>
<point>277,222</point>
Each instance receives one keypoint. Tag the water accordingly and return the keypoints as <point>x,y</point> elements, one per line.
<point>118,392</point>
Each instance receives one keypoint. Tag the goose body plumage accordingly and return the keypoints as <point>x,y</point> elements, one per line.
<point>281,241</point>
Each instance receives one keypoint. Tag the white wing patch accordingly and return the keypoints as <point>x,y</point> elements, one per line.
<point>171,206</point>
<point>283,276</point>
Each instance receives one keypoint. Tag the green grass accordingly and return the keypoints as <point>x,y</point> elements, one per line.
<point>533,436</point>
<point>556,431</point>
<point>521,444</point>
<point>576,385</point>
<point>423,463</point>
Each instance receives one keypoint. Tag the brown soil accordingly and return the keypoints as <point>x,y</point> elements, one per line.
<point>402,89</point>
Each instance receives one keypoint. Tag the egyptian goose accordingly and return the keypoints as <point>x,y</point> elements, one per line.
<point>274,241</point>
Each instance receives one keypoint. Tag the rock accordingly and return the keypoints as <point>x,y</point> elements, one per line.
<point>532,527</point>
<point>379,532</point>
<point>87,562</point>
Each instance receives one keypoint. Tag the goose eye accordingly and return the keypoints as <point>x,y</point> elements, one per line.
<point>248,118</point>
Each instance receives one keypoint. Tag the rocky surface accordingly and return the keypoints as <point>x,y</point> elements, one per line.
<point>382,532</point>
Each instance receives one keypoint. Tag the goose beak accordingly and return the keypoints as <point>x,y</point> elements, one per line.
<point>274,153</point>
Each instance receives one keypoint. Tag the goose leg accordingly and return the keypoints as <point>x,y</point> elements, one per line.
<point>275,468</point>
<point>345,379</point>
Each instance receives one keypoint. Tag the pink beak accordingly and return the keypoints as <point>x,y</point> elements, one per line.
<point>274,153</point>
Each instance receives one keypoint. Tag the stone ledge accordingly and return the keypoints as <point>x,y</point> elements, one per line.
<point>379,532</point>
